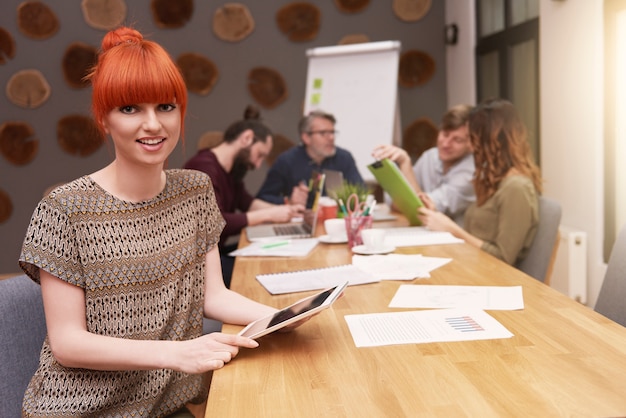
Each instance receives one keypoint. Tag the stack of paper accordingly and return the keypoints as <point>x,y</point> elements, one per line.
<point>417,235</point>
<point>398,266</point>
<point>303,280</point>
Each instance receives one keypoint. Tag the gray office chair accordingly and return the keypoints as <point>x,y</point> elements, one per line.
<point>540,257</point>
<point>22,331</point>
<point>612,298</point>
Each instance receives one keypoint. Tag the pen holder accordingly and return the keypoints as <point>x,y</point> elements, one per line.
<point>354,226</point>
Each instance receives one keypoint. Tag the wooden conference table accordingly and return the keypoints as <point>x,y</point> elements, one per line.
<point>563,360</point>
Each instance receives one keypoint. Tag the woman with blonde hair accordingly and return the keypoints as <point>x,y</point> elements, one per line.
<point>127,258</point>
<point>503,220</point>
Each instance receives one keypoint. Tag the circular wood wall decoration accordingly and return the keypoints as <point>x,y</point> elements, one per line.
<point>299,21</point>
<point>79,135</point>
<point>267,86</point>
<point>352,6</point>
<point>232,22</point>
<point>104,14</point>
<point>36,20</point>
<point>355,38</point>
<point>6,207</point>
<point>411,10</point>
<point>17,143</point>
<point>210,139</point>
<point>28,88</point>
<point>415,68</point>
<point>419,136</point>
<point>7,46</point>
<point>199,72</point>
<point>172,14</point>
<point>281,144</point>
<point>77,61</point>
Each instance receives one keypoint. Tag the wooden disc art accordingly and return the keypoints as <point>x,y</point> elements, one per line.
<point>210,139</point>
<point>411,10</point>
<point>352,6</point>
<point>299,21</point>
<point>36,20</point>
<point>356,38</point>
<point>267,86</point>
<point>281,144</point>
<point>199,72</point>
<point>232,22</point>
<point>418,137</point>
<point>416,68</point>
<point>172,14</point>
<point>7,46</point>
<point>79,135</point>
<point>28,88</point>
<point>17,143</point>
<point>77,61</point>
<point>6,207</point>
<point>104,14</point>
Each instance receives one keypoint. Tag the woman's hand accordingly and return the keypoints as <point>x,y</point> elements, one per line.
<point>209,352</point>
<point>427,201</point>
<point>436,221</point>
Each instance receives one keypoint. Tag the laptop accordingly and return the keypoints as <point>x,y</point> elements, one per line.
<point>303,229</point>
<point>334,182</point>
<point>395,184</point>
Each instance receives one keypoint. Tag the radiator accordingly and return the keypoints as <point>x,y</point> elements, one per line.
<point>569,275</point>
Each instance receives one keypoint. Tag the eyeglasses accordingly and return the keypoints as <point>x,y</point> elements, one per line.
<point>324,133</point>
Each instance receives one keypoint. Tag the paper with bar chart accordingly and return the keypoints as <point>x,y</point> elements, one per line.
<point>415,327</point>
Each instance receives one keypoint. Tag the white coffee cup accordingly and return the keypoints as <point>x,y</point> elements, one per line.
<point>373,239</point>
<point>335,228</point>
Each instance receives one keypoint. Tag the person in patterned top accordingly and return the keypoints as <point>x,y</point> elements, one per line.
<point>127,258</point>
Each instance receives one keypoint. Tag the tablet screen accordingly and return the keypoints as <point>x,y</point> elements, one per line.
<point>293,313</point>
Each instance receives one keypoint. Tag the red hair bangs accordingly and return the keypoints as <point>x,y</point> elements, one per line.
<point>134,73</point>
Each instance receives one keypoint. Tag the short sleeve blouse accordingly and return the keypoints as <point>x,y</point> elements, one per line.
<point>141,265</point>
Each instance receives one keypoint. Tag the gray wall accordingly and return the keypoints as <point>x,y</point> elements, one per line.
<point>266,46</point>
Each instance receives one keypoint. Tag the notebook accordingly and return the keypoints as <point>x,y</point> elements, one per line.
<point>304,229</point>
<point>395,184</point>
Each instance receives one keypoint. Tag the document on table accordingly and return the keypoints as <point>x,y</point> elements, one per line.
<point>299,247</point>
<point>398,266</point>
<point>415,327</point>
<point>448,296</point>
<point>417,235</point>
<point>315,279</point>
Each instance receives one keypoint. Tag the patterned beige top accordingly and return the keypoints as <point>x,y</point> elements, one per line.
<point>141,266</point>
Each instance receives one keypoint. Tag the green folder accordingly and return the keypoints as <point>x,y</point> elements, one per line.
<point>395,184</point>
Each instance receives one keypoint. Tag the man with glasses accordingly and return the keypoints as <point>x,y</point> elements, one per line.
<point>445,172</point>
<point>286,179</point>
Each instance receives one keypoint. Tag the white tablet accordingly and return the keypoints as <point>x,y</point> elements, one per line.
<point>293,313</point>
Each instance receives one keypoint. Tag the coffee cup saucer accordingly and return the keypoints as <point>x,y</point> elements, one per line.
<point>327,239</point>
<point>363,250</point>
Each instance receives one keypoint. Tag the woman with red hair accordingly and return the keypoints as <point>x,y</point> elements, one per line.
<point>503,220</point>
<point>127,258</point>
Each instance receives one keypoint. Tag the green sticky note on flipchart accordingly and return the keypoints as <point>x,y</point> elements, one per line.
<point>317,83</point>
<point>315,98</point>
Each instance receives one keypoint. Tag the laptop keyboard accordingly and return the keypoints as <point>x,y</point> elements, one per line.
<point>288,230</point>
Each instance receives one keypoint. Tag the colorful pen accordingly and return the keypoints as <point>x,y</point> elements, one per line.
<point>343,208</point>
<point>275,244</point>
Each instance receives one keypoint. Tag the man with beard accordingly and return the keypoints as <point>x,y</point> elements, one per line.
<point>246,144</point>
<point>286,180</point>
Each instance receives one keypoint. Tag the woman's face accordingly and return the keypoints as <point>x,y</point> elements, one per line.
<point>144,133</point>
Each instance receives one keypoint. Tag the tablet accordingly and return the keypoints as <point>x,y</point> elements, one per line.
<point>293,313</point>
<point>396,185</point>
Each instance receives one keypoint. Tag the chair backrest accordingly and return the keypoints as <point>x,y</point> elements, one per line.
<point>538,261</point>
<point>612,298</point>
<point>22,331</point>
